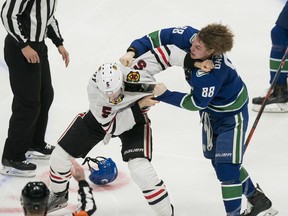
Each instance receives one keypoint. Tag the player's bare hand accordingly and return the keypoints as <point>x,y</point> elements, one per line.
<point>30,54</point>
<point>205,66</point>
<point>147,101</point>
<point>77,170</point>
<point>159,89</point>
<point>127,59</point>
<point>65,54</point>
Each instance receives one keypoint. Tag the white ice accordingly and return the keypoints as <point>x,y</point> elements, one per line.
<point>100,31</point>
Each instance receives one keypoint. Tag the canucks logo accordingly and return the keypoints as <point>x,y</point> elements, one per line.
<point>133,76</point>
<point>201,73</point>
<point>192,38</point>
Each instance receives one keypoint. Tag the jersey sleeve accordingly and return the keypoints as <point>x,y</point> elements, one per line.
<point>179,99</point>
<point>204,90</point>
<point>9,15</point>
<point>53,32</point>
<point>179,36</point>
<point>159,59</point>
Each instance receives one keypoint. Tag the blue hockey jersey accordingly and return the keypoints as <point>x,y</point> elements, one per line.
<point>180,36</point>
<point>221,92</point>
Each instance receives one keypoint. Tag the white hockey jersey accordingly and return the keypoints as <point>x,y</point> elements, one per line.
<point>117,118</point>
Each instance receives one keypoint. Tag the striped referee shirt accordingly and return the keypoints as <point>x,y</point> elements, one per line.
<point>31,20</point>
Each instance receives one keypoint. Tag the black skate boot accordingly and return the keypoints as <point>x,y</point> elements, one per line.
<point>42,153</point>
<point>259,203</point>
<point>57,201</point>
<point>277,101</point>
<point>18,168</point>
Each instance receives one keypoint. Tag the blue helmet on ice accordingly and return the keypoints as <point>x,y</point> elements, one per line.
<point>107,170</point>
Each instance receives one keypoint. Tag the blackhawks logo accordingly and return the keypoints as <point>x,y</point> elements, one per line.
<point>133,76</point>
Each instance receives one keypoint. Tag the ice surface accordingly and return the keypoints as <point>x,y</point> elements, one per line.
<point>100,31</point>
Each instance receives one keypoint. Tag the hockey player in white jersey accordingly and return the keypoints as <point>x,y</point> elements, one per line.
<point>119,99</point>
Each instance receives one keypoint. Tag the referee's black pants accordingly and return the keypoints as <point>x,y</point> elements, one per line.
<point>33,95</point>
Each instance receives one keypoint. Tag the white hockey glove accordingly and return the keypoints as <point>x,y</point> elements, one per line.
<point>127,59</point>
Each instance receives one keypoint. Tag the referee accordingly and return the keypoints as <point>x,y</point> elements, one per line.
<point>28,23</point>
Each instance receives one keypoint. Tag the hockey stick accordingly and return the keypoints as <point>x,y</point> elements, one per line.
<point>266,98</point>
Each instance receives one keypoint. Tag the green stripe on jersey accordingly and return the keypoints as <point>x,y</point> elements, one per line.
<point>155,38</point>
<point>188,103</point>
<point>234,105</point>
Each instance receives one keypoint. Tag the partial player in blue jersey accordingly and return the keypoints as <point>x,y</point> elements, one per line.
<point>278,100</point>
<point>221,98</point>
<point>179,36</point>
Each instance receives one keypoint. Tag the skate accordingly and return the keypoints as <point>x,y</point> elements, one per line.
<point>57,201</point>
<point>277,101</point>
<point>259,204</point>
<point>19,169</point>
<point>40,153</point>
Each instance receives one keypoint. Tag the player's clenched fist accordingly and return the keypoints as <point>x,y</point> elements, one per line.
<point>159,89</point>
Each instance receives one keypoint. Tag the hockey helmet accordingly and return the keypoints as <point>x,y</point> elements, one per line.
<point>107,170</point>
<point>109,78</point>
<point>34,198</point>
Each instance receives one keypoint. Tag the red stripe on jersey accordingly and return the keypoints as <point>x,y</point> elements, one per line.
<point>155,194</point>
<point>111,123</point>
<point>163,56</point>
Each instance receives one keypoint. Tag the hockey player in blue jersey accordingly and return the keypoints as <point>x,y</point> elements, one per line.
<point>221,98</point>
<point>278,100</point>
<point>179,36</point>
